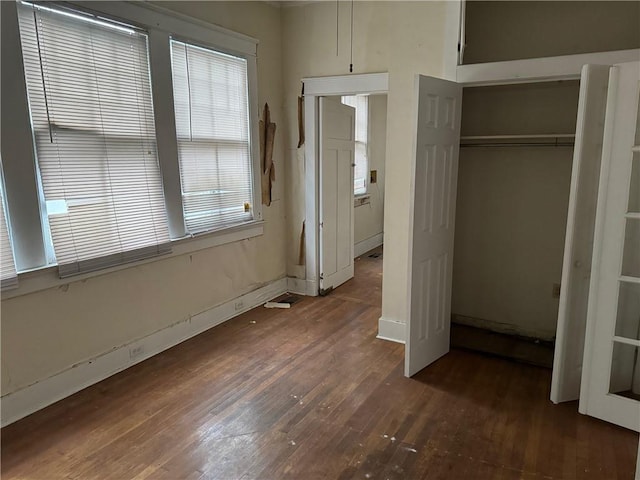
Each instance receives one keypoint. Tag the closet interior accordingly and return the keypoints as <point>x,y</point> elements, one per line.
<point>513,188</point>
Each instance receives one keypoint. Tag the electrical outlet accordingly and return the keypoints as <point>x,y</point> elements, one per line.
<point>555,292</point>
<point>135,352</point>
<point>239,305</point>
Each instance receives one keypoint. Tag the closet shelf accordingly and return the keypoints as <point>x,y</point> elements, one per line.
<point>534,140</point>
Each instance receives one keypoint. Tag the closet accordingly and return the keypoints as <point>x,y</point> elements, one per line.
<point>549,191</point>
<point>548,223</point>
<point>513,190</point>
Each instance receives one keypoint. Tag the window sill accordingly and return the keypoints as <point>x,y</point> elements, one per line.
<point>362,199</point>
<point>47,277</point>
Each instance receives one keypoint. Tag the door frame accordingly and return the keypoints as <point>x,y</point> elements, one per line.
<point>538,70</point>
<point>314,88</point>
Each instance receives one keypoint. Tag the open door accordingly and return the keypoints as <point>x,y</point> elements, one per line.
<point>337,147</point>
<point>578,246</point>
<point>610,387</point>
<point>433,195</point>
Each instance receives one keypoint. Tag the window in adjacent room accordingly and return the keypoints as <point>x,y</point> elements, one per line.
<point>361,104</point>
<point>88,83</point>
<point>212,124</point>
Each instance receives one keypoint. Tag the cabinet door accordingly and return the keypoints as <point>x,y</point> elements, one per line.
<point>578,247</point>
<point>610,387</point>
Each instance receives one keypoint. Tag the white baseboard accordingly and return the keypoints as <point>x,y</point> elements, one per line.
<point>370,243</point>
<point>312,288</point>
<point>297,285</point>
<point>21,403</point>
<point>391,330</point>
<point>300,286</point>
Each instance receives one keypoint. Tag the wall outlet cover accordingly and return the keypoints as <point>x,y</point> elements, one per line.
<point>135,352</point>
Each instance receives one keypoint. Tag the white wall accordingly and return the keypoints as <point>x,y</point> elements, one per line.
<point>46,332</point>
<point>402,38</point>
<point>369,217</point>
<point>510,225</point>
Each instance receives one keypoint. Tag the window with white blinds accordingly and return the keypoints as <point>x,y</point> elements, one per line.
<point>8,275</point>
<point>212,127</point>
<point>89,90</point>
<point>361,170</point>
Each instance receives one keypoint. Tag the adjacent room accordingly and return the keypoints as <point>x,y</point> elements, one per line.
<point>320,239</point>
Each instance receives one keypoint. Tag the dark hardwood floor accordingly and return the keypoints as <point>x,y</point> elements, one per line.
<point>310,393</point>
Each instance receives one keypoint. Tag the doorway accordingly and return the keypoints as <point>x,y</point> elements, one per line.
<point>368,196</point>
<point>513,191</point>
<point>369,170</point>
<point>317,89</point>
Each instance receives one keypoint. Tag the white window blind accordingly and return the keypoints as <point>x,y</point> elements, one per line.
<point>89,91</point>
<point>212,127</point>
<point>8,275</point>
<point>361,171</point>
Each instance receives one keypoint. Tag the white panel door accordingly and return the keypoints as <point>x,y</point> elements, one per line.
<point>578,246</point>
<point>433,195</point>
<point>337,146</point>
<point>610,388</point>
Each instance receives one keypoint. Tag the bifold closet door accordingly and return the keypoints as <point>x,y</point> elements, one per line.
<point>610,388</point>
<point>578,247</point>
<point>433,205</point>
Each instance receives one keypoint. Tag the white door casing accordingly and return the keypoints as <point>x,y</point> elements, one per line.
<point>637,476</point>
<point>611,361</point>
<point>433,202</point>
<point>578,247</point>
<point>337,147</point>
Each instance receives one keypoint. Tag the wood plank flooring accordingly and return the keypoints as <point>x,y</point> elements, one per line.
<point>310,393</point>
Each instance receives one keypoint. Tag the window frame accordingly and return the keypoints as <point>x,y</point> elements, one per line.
<point>255,167</point>
<point>22,182</point>
<point>10,282</point>
<point>101,211</point>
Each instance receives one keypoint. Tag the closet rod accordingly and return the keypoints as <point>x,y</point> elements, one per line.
<point>534,144</point>
<point>537,136</point>
<point>535,140</point>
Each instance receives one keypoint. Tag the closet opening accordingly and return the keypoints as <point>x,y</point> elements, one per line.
<point>513,191</point>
